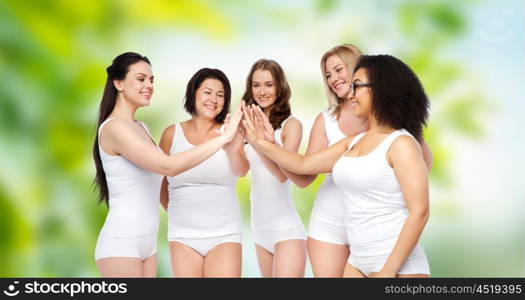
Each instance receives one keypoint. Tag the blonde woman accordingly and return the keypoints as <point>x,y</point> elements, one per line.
<point>327,243</point>
<point>381,172</point>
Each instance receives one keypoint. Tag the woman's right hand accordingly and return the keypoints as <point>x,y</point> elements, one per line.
<point>263,124</point>
<point>251,132</point>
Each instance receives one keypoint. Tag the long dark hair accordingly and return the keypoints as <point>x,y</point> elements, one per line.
<point>195,82</point>
<point>117,71</point>
<point>398,98</point>
<point>281,107</point>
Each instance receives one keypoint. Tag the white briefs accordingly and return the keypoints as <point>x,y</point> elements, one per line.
<point>205,245</point>
<point>140,247</point>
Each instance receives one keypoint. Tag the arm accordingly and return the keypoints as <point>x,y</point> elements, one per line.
<point>271,166</point>
<point>291,139</point>
<point>320,162</point>
<point>165,144</point>
<point>316,143</point>
<point>427,155</point>
<point>409,167</point>
<point>236,156</point>
<point>293,129</point>
<point>124,140</point>
<point>164,199</point>
<point>269,135</point>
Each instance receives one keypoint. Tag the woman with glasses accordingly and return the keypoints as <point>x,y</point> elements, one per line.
<point>381,172</point>
<point>327,243</point>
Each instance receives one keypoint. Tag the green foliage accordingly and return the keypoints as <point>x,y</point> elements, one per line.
<point>52,60</point>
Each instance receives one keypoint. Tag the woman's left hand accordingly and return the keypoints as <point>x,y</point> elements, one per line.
<point>236,143</point>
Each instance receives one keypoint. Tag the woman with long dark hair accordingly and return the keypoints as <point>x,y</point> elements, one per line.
<point>381,172</point>
<point>129,166</point>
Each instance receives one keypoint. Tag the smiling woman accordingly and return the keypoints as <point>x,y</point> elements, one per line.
<point>278,231</point>
<point>381,172</point>
<point>128,168</point>
<point>204,232</point>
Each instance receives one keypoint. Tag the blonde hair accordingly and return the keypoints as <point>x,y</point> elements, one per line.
<point>349,54</point>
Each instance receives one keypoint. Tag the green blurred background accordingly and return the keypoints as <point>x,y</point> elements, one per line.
<point>53,54</point>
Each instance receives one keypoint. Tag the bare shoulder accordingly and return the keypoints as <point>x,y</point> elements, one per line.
<point>292,128</point>
<point>293,124</point>
<point>169,131</point>
<point>404,147</point>
<point>405,143</point>
<point>319,121</point>
<point>116,128</point>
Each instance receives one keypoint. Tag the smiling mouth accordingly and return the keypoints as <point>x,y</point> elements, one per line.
<point>264,99</point>
<point>339,85</point>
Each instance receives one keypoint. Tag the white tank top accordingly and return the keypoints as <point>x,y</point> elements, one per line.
<point>133,195</point>
<point>328,204</point>
<point>272,206</point>
<point>374,205</point>
<point>202,200</point>
<point>332,130</point>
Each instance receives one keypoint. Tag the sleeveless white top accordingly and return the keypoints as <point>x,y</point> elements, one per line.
<point>133,195</point>
<point>328,204</point>
<point>202,200</point>
<point>375,208</point>
<point>272,206</point>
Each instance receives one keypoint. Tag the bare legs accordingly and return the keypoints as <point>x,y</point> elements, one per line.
<point>288,260</point>
<point>327,259</point>
<point>224,260</point>
<point>128,267</point>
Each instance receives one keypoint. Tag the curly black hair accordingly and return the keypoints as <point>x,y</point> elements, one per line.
<point>398,98</point>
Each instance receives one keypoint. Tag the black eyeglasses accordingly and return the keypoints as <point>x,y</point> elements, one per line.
<point>355,85</point>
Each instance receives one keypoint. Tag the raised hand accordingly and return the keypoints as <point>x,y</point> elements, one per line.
<point>250,131</point>
<point>231,124</point>
<point>263,124</point>
<point>237,142</point>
